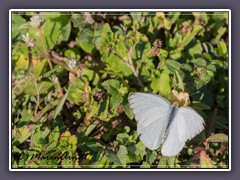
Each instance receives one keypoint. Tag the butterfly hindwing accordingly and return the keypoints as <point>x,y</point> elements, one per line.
<point>190,123</point>
<point>186,124</point>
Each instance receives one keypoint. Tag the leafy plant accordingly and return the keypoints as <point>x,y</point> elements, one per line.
<point>72,73</point>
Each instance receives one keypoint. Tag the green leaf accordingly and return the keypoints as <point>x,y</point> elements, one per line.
<point>127,110</point>
<point>40,136</point>
<point>209,48</point>
<point>17,29</point>
<point>161,84</point>
<point>200,106</point>
<point>85,40</point>
<point>75,95</point>
<point>186,67</point>
<point>55,29</point>
<point>145,165</point>
<point>163,54</point>
<point>136,15</point>
<point>77,20</point>
<point>166,162</point>
<point>60,105</point>
<point>122,138</point>
<point>207,56</point>
<point>217,63</point>
<point>90,129</point>
<point>222,47</point>
<point>113,157</point>
<point>115,101</point>
<point>190,36</point>
<point>104,37</point>
<point>198,83</point>
<point>53,139</point>
<point>26,117</point>
<point>200,62</point>
<point>180,84</point>
<point>122,155</point>
<point>21,136</point>
<point>111,86</point>
<point>151,156</point>
<point>173,65</point>
<point>89,74</point>
<point>196,48</point>
<point>103,110</point>
<point>72,53</point>
<point>44,87</point>
<point>89,145</point>
<point>211,67</point>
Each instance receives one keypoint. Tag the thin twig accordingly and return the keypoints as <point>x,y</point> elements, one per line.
<point>30,65</point>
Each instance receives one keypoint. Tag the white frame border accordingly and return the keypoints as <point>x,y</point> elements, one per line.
<point>118,10</point>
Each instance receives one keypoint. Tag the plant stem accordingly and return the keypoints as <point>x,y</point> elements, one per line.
<point>130,64</point>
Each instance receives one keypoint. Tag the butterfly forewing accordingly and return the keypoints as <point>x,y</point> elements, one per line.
<point>152,114</point>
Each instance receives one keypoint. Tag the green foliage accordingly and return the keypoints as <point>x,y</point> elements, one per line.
<point>72,79</point>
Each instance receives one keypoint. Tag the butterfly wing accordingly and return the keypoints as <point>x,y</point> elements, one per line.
<point>190,123</point>
<point>186,124</point>
<point>152,114</point>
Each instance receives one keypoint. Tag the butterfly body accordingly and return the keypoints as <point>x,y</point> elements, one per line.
<point>159,122</point>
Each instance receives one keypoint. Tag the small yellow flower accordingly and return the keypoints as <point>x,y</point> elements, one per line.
<point>182,98</point>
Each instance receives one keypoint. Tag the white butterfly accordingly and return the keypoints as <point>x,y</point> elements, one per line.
<point>159,122</point>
